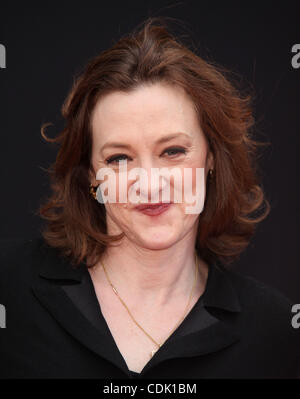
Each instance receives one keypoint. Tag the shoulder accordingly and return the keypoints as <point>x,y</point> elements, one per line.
<point>254,293</point>
<point>266,311</point>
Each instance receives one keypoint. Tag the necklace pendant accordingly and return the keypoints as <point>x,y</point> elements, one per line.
<point>152,352</point>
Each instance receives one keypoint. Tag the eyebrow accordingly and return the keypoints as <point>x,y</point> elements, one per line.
<point>163,139</point>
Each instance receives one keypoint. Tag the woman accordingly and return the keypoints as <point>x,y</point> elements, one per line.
<point>117,289</point>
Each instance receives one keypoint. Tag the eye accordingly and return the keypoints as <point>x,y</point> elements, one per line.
<point>175,151</point>
<point>172,151</point>
<point>116,158</point>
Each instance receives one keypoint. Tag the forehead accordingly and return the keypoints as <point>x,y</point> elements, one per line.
<point>159,105</point>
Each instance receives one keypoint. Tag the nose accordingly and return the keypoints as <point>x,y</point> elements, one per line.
<point>149,183</point>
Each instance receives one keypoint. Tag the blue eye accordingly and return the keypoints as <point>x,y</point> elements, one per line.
<point>175,150</point>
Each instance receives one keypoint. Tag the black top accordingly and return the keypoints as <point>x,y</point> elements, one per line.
<point>239,327</point>
<point>84,297</point>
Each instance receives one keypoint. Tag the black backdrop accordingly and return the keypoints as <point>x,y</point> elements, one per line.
<point>46,44</point>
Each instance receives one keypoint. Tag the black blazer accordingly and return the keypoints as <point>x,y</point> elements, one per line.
<point>239,328</point>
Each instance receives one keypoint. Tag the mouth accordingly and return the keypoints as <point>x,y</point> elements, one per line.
<point>153,209</point>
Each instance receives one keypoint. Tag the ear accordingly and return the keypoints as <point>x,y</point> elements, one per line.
<point>92,178</point>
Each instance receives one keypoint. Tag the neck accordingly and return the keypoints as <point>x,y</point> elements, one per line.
<point>151,277</point>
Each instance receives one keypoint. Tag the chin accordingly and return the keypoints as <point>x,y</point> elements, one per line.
<point>158,240</point>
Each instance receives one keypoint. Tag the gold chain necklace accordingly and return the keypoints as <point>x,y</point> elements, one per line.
<point>159,345</point>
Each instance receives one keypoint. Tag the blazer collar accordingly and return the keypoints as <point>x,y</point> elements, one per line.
<point>209,334</point>
<point>219,292</point>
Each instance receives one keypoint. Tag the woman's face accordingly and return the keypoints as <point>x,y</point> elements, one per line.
<point>139,121</point>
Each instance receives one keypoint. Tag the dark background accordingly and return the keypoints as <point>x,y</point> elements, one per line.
<point>48,44</point>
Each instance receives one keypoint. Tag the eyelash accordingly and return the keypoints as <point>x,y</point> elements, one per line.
<point>179,150</point>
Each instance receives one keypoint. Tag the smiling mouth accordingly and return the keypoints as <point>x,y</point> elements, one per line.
<point>153,209</point>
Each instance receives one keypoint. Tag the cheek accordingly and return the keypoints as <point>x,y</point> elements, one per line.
<point>193,190</point>
<point>118,219</point>
<point>117,212</point>
<point>193,175</point>
<point>113,190</point>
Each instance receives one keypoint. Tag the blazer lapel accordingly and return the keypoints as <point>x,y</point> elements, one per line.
<point>215,336</point>
<point>200,332</point>
<point>53,272</point>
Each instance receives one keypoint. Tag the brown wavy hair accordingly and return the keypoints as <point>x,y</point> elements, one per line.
<point>235,202</point>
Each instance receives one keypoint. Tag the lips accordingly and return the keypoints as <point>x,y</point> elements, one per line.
<point>153,209</point>
<point>152,206</point>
